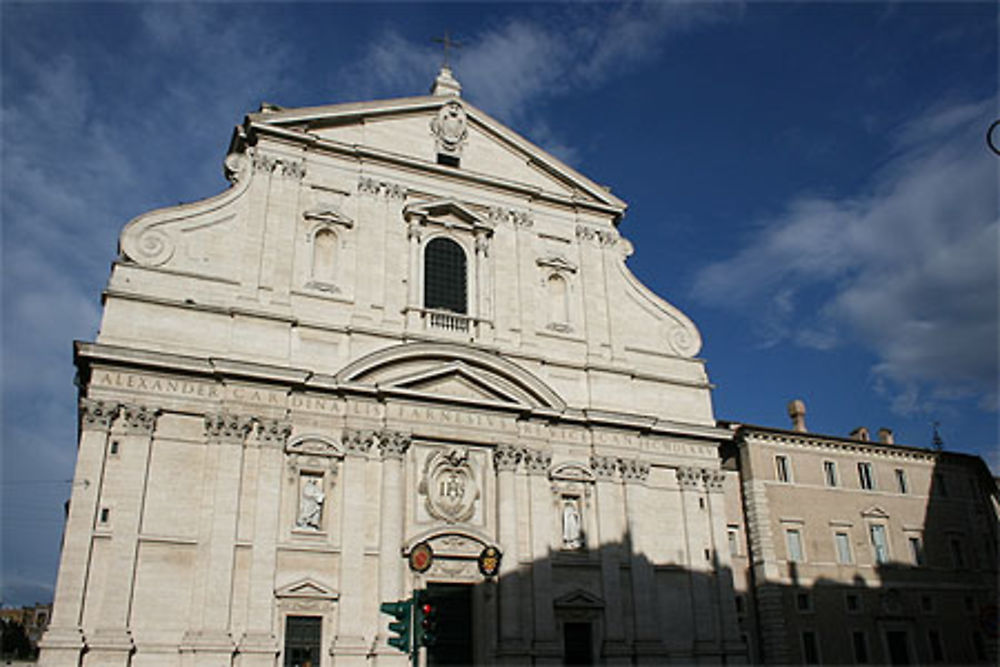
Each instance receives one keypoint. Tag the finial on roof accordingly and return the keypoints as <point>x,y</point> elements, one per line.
<point>936,440</point>
<point>446,84</point>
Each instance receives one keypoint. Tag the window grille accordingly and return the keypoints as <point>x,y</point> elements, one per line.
<point>445,276</point>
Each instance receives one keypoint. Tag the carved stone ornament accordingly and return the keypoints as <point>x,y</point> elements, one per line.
<point>450,127</point>
<point>275,431</point>
<point>311,499</point>
<point>227,427</point>
<point>377,188</point>
<point>498,214</point>
<point>278,165</point>
<point>358,442</point>
<point>602,237</point>
<point>688,477</point>
<point>393,444</point>
<point>506,457</point>
<point>634,470</point>
<point>604,467</point>
<point>537,461</point>
<point>138,419</point>
<point>97,415</point>
<point>714,480</point>
<point>449,485</point>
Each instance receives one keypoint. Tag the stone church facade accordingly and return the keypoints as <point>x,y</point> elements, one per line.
<point>403,326</point>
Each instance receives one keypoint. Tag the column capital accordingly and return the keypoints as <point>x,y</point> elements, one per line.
<point>714,480</point>
<point>537,461</point>
<point>633,470</point>
<point>274,431</point>
<point>357,443</point>
<point>138,419</point>
<point>227,427</point>
<point>604,467</point>
<point>97,415</point>
<point>688,477</point>
<point>506,457</point>
<point>393,444</point>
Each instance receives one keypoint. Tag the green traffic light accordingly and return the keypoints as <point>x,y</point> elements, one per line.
<point>401,611</point>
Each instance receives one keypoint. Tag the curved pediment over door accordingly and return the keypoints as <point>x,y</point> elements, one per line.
<point>453,372</point>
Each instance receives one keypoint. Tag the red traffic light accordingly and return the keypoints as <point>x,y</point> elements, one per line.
<point>427,608</point>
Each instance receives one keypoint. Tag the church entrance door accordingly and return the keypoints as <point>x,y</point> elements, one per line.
<point>454,624</point>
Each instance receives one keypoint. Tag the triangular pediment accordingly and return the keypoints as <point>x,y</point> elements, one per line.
<point>402,127</point>
<point>307,588</point>
<point>447,212</point>
<point>875,512</point>
<point>579,599</point>
<point>455,380</point>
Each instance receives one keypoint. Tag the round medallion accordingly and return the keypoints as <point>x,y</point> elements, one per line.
<point>421,557</point>
<point>489,561</point>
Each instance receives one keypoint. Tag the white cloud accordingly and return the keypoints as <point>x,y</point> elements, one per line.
<point>527,60</point>
<point>907,268</point>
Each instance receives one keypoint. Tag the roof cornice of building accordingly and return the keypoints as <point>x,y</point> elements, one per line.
<point>745,432</point>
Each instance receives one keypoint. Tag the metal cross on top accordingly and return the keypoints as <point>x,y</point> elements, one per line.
<point>447,43</point>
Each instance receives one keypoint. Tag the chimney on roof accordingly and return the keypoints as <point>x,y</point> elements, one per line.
<point>860,433</point>
<point>885,436</point>
<point>797,411</point>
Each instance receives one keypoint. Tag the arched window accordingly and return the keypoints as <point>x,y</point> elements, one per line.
<point>324,267</point>
<point>445,276</point>
<point>558,299</point>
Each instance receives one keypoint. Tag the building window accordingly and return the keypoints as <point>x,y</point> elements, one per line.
<point>782,469</point>
<point>970,605</point>
<point>740,604</point>
<point>865,477</point>
<point>830,473</point>
<point>810,648</point>
<point>852,602</point>
<point>114,447</point>
<point>843,541</point>
<point>794,539</point>
<point>937,650</point>
<point>803,602</point>
<point>860,642</point>
<point>880,543</point>
<point>303,638</point>
<point>445,276</point>
<point>734,540</point>
<point>105,515</point>
<point>939,485</point>
<point>901,483</point>
<point>927,604</point>
<point>916,551</point>
<point>957,555</point>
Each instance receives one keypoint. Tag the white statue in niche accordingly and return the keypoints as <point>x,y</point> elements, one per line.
<point>310,504</point>
<point>571,525</point>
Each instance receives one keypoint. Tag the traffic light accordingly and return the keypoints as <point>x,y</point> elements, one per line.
<point>426,619</point>
<point>402,611</point>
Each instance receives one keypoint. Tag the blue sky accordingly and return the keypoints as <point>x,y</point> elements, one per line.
<point>808,182</point>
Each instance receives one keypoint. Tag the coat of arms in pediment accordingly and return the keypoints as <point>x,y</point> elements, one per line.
<point>449,485</point>
<point>450,126</point>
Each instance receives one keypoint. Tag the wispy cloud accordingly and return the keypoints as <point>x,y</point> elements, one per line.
<point>908,267</point>
<point>525,61</point>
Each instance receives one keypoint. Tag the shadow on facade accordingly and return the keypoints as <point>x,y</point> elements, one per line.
<point>928,594</point>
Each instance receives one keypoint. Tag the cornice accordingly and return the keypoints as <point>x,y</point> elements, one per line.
<point>86,353</point>
<point>358,152</point>
<point>750,434</point>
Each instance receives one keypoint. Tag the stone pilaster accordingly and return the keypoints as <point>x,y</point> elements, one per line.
<point>698,543</point>
<point>350,646</point>
<point>610,513</point>
<point>725,604</point>
<point>111,642</point>
<point>208,640</point>
<point>258,647</point>
<point>537,463</point>
<point>63,641</point>
<point>506,458</point>
<point>648,644</point>
<point>392,446</point>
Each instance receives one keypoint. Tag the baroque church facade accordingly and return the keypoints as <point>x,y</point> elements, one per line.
<point>403,338</point>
